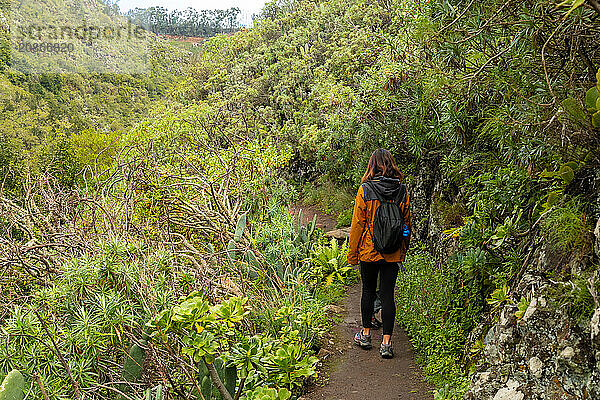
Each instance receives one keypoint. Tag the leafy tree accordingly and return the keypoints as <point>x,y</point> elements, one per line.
<point>188,22</point>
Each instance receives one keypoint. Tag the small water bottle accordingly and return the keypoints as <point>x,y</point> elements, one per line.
<point>405,231</point>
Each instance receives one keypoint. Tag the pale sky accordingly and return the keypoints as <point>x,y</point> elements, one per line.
<point>254,5</point>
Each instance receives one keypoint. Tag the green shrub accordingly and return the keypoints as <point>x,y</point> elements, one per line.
<point>288,251</point>
<point>212,332</point>
<point>575,297</point>
<point>566,227</point>
<point>92,307</point>
<point>95,150</point>
<point>450,215</point>
<point>344,218</point>
<point>299,309</point>
<point>285,246</point>
<point>438,307</point>
<point>329,197</point>
<point>267,394</point>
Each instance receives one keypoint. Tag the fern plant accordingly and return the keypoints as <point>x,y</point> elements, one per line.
<point>331,263</point>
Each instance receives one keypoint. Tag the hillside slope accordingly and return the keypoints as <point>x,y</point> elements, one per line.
<point>48,99</point>
<point>490,108</point>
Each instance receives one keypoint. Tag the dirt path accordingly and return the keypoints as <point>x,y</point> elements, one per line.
<point>351,373</point>
<point>356,374</point>
<point>324,221</point>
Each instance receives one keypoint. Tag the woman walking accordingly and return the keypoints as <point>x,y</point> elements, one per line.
<point>379,238</point>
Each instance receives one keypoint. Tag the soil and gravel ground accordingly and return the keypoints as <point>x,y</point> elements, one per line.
<point>351,373</point>
<point>324,221</point>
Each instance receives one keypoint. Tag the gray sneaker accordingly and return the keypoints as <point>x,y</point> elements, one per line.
<point>386,350</point>
<point>363,340</point>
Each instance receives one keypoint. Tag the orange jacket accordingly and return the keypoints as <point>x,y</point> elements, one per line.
<point>360,246</point>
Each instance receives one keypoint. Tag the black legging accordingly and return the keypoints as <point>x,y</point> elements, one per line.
<point>387,272</point>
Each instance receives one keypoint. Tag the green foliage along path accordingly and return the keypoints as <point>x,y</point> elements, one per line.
<point>157,204</point>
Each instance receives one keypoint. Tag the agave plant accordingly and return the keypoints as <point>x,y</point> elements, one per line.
<point>499,297</point>
<point>522,306</point>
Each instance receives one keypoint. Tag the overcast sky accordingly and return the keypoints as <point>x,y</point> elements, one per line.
<point>254,5</point>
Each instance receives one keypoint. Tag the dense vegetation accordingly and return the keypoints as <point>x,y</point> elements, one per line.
<point>51,121</point>
<point>170,233</point>
<point>188,22</point>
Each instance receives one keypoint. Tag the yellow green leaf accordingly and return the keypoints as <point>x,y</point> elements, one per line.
<point>596,120</point>
<point>552,198</point>
<point>591,98</point>
<point>573,165</point>
<point>566,174</point>
<point>576,4</point>
<point>574,110</point>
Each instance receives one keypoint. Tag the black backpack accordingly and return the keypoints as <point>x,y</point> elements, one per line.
<point>389,229</point>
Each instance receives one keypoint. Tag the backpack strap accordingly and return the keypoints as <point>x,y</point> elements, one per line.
<point>404,194</point>
<point>369,192</point>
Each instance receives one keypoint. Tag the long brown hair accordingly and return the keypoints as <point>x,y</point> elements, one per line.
<point>381,163</point>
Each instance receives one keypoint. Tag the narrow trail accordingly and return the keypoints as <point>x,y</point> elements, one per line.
<point>323,221</point>
<point>350,373</point>
<point>357,374</point>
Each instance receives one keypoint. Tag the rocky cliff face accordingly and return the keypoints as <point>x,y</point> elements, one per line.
<point>547,354</point>
<point>550,353</point>
<point>430,187</point>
